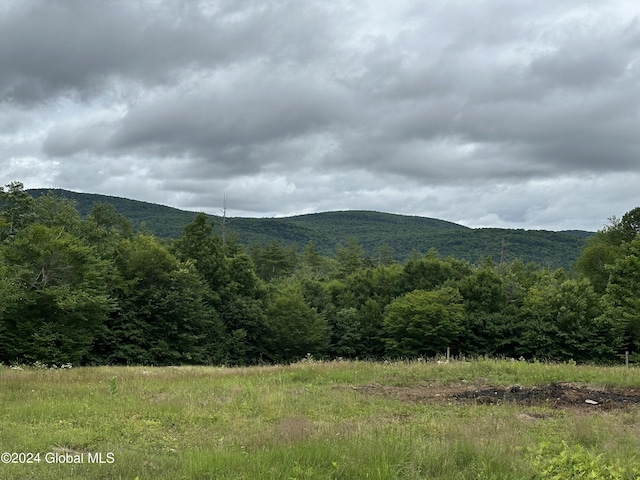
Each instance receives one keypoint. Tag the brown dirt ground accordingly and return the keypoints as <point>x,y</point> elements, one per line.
<point>554,395</point>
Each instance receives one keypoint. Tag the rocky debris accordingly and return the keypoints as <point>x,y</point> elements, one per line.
<point>554,394</point>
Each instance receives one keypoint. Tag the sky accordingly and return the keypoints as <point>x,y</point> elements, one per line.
<point>488,113</point>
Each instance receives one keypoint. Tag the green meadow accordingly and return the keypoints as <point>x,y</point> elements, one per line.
<point>310,420</point>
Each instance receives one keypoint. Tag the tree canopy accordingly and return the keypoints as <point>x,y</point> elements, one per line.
<point>92,289</point>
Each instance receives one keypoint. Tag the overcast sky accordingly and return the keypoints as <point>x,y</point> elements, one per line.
<point>502,113</point>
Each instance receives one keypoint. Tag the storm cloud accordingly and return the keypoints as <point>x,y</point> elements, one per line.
<point>495,113</point>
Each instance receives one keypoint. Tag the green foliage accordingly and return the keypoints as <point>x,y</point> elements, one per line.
<point>626,229</point>
<point>596,258</point>
<point>79,284</point>
<point>244,319</point>
<point>273,261</point>
<point>430,272</point>
<point>384,255</point>
<point>56,298</point>
<point>372,332</point>
<point>483,291</point>
<point>349,258</point>
<point>403,234</point>
<point>234,290</point>
<point>163,317</point>
<point>622,302</point>
<point>159,220</point>
<point>312,260</point>
<point>604,249</point>
<point>560,320</point>
<point>346,337</point>
<point>381,284</point>
<point>423,323</point>
<point>560,462</point>
<point>200,245</point>
<point>104,216</point>
<point>488,329</point>
<point>16,210</point>
<point>294,329</point>
<point>113,386</point>
<point>52,211</point>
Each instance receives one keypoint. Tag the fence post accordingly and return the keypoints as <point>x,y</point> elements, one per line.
<point>626,358</point>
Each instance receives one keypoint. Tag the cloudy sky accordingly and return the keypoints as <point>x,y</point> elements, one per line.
<point>503,113</point>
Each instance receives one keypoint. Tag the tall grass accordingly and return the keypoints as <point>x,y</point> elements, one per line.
<point>310,420</point>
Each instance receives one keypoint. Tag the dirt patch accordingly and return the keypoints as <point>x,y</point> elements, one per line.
<point>294,428</point>
<point>556,395</point>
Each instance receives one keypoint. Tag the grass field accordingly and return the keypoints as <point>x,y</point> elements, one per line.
<point>314,420</point>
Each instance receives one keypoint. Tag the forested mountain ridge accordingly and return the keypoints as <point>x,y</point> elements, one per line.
<point>401,233</point>
<point>95,290</point>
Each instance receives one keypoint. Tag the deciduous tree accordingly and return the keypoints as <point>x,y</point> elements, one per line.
<point>622,298</point>
<point>294,329</point>
<point>163,316</point>
<point>57,296</point>
<point>424,323</point>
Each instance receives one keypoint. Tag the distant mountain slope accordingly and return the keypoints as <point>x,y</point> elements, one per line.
<point>404,234</point>
<point>330,229</point>
<point>160,220</point>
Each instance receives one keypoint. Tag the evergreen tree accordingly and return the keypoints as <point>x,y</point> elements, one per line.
<point>235,291</point>
<point>313,261</point>
<point>17,210</point>
<point>349,258</point>
<point>384,255</point>
<point>345,334</point>
<point>199,245</point>
<point>273,260</point>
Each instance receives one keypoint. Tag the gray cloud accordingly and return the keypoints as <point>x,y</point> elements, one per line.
<point>499,112</point>
<point>79,46</point>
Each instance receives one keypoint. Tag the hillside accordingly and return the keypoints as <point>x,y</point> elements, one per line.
<point>403,234</point>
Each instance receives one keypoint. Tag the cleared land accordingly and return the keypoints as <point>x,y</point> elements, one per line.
<point>555,395</point>
<point>314,420</point>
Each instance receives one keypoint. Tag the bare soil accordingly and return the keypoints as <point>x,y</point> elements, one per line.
<point>554,395</point>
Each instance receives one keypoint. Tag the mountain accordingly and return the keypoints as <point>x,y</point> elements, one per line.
<point>403,234</point>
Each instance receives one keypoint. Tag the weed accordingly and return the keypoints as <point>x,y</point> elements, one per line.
<point>314,420</point>
<point>113,386</point>
<point>557,462</point>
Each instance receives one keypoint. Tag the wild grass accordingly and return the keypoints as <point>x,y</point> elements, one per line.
<point>307,421</point>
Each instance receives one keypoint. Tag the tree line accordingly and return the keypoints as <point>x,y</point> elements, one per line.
<point>93,290</point>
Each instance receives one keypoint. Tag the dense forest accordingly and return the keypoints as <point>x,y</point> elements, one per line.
<point>404,234</point>
<point>92,289</point>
